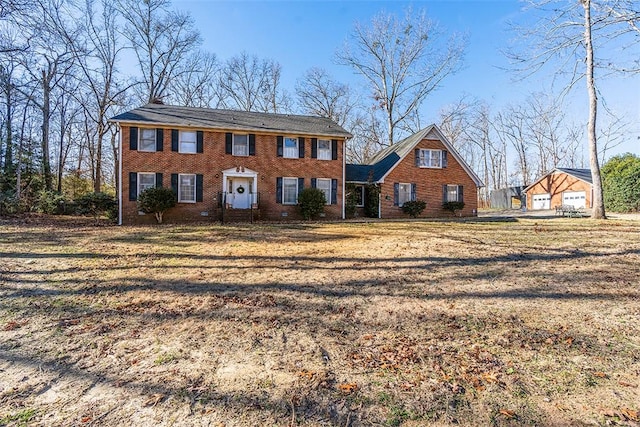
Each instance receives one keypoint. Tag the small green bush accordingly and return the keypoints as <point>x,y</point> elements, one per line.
<point>372,201</point>
<point>50,202</point>
<point>95,204</point>
<point>414,207</point>
<point>311,203</point>
<point>156,201</point>
<point>453,206</point>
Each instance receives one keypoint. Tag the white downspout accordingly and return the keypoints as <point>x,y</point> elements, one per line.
<point>120,175</point>
<point>344,177</point>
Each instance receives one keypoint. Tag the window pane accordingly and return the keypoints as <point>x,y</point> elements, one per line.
<point>452,193</point>
<point>146,180</point>
<point>359,195</point>
<point>404,193</point>
<point>290,147</point>
<point>147,140</point>
<point>324,149</point>
<point>187,188</point>
<point>435,158</point>
<point>324,185</point>
<point>240,145</point>
<point>187,142</point>
<point>289,191</point>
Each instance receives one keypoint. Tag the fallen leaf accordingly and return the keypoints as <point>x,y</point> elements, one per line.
<point>306,374</point>
<point>348,387</point>
<point>508,413</point>
<point>600,374</point>
<point>154,399</point>
<point>626,384</point>
<point>629,414</point>
<point>86,419</point>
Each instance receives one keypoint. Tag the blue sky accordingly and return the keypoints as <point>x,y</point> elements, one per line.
<point>303,34</point>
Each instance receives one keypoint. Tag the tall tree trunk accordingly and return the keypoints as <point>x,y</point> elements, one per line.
<point>598,201</point>
<point>46,113</point>
<point>97,182</point>
<point>8,155</point>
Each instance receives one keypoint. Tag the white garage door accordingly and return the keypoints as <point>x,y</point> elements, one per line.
<point>541,201</point>
<point>577,199</point>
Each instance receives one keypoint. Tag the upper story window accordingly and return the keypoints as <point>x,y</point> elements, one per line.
<point>147,140</point>
<point>146,180</point>
<point>430,158</point>
<point>291,148</point>
<point>240,145</point>
<point>187,142</point>
<point>187,188</point>
<point>324,149</point>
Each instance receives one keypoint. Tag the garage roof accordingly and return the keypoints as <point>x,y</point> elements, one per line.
<point>581,174</point>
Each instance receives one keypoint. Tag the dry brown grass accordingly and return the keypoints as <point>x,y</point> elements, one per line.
<point>399,323</point>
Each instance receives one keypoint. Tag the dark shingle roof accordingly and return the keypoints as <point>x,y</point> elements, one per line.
<point>371,173</point>
<point>160,114</point>
<point>582,174</point>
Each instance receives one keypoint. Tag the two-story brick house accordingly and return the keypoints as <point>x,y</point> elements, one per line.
<point>423,166</point>
<point>222,161</point>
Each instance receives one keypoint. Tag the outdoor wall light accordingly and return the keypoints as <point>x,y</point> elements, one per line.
<point>387,197</point>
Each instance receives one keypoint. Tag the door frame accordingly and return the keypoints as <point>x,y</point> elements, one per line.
<point>241,172</point>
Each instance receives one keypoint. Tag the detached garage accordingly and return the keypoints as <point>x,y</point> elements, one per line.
<point>561,186</point>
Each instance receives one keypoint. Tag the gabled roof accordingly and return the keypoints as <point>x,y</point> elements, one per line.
<point>386,160</point>
<point>581,174</point>
<point>160,114</point>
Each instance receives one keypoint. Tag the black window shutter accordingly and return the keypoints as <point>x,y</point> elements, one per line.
<point>252,144</point>
<point>460,195</point>
<point>199,179</point>
<point>301,147</point>
<point>334,191</point>
<point>444,159</point>
<point>200,141</point>
<point>414,191</point>
<point>133,139</point>
<point>334,149</point>
<point>159,139</point>
<point>280,143</point>
<point>174,185</point>
<point>396,194</point>
<point>314,148</point>
<point>133,186</point>
<point>417,151</point>
<point>228,143</point>
<point>313,182</point>
<point>158,180</point>
<point>278,190</point>
<point>444,193</point>
<point>300,185</point>
<point>174,139</point>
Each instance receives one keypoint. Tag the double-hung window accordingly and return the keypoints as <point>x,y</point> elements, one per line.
<point>324,149</point>
<point>289,191</point>
<point>146,180</point>
<point>291,150</point>
<point>187,188</point>
<point>359,195</point>
<point>452,193</point>
<point>324,185</point>
<point>187,142</point>
<point>147,140</point>
<point>240,145</point>
<point>404,193</point>
<point>429,158</point>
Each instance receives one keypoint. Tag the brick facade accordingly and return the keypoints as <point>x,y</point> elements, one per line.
<point>556,184</point>
<point>213,161</point>
<point>429,183</point>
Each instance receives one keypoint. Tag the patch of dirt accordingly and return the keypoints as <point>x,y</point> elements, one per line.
<point>512,321</point>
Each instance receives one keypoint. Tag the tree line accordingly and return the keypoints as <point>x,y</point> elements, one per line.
<point>61,79</point>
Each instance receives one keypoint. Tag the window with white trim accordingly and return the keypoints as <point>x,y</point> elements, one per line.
<point>404,193</point>
<point>430,158</point>
<point>324,185</point>
<point>187,142</point>
<point>359,193</point>
<point>147,140</point>
<point>289,191</point>
<point>187,188</point>
<point>290,148</point>
<point>240,145</point>
<point>146,180</point>
<point>452,193</point>
<point>324,149</point>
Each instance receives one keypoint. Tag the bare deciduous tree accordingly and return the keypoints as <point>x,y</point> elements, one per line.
<point>403,60</point>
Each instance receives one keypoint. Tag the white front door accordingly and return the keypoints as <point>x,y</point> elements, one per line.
<point>241,193</point>
<point>541,201</point>
<point>577,199</point>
